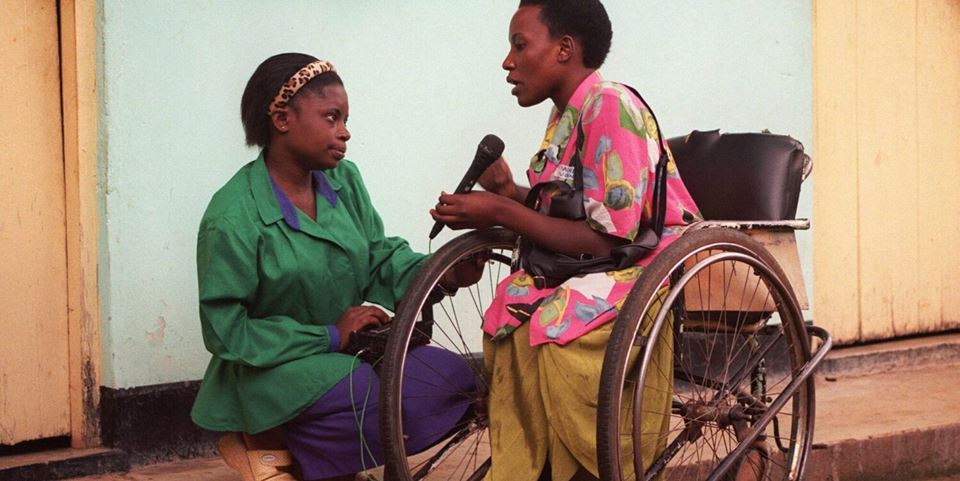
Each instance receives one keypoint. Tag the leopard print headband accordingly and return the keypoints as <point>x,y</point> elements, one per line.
<point>297,81</point>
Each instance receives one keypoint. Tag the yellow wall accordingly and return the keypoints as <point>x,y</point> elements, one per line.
<point>886,196</point>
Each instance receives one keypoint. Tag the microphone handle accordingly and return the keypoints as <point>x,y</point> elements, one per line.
<point>466,185</point>
<point>437,227</point>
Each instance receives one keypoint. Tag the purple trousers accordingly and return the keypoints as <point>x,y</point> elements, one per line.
<point>340,435</point>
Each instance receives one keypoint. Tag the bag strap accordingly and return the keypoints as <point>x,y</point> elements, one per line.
<point>660,181</point>
<point>575,158</point>
<point>533,197</point>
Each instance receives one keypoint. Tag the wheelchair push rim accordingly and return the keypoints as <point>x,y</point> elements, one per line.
<point>455,317</point>
<point>729,412</point>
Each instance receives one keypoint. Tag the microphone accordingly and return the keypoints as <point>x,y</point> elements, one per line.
<point>490,149</point>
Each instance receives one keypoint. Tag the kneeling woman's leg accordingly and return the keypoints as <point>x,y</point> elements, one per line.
<point>339,434</point>
<point>439,389</point>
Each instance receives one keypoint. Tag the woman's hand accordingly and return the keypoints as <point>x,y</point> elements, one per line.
<point>473,210</point>
<point>356,318</point>
<point>499,179</point>
<point>465,273</point>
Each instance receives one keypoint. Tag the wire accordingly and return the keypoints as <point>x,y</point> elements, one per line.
<point>359,418</point>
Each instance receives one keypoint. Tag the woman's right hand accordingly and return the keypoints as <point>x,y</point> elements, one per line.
<point>498,179</point>
<point>356,318</point>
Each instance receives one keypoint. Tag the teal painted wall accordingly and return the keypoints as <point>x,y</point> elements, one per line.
<point>425,85</point>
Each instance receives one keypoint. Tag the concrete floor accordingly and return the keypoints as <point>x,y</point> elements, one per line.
<point>848,407</point>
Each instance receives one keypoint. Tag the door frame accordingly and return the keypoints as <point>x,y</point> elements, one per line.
<point>78,71</point>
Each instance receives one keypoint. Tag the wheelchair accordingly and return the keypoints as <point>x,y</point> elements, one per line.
<point>739,356</point>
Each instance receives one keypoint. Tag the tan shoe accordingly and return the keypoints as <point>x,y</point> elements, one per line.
<point>260,465</point>
<point>271,465</point>
<point>234,453</point>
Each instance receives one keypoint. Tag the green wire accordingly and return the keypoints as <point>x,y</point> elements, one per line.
<point>366,401</point>
<point>360,418</point>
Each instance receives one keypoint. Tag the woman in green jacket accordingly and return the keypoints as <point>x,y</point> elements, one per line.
<point>288,253</point>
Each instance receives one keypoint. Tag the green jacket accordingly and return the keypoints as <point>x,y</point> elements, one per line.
<point>268,293</point>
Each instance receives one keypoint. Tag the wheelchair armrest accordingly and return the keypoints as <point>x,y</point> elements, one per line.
<point>773,225</point>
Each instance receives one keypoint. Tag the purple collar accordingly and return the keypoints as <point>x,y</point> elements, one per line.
<point>320,186</point>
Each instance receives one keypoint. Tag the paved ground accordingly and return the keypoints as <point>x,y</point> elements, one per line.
<point>862,406</point>
<point>879,420</point>
<point>193,470</point>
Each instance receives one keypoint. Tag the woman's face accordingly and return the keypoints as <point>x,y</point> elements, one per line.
<point>532,60</point>
<point>317,127</point>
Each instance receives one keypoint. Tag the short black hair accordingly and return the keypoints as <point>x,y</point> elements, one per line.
<point>585,20</point>
<point>264,85</point>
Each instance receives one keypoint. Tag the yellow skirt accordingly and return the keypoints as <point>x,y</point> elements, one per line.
<point>543,404</point>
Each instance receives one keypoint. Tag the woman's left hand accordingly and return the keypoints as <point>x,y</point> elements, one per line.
<point>466,272</point>
<point>473,210</point>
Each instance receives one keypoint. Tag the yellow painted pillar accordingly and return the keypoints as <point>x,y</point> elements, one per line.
<point>79,67</point>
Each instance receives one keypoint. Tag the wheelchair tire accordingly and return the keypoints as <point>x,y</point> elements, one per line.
<point>463,453</point>
<point>736,340</point>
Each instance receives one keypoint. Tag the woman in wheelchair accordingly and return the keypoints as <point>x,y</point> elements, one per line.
<point>544,343</point>
<point>287,252</point>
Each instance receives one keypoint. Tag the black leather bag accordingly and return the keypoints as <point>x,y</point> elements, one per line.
<point>742,176</point>
<point>549,268</point>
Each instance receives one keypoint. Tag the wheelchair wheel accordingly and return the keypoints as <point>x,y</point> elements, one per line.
<point>736,409</point>
<point>451,321</point>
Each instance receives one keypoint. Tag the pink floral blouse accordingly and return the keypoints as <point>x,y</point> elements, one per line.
<point>619,160</point>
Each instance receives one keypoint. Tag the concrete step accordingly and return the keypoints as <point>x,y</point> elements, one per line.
<point>62,464</point>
